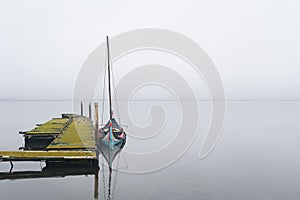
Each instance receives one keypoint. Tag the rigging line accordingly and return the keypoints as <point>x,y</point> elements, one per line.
<point>104,88</point>
<point>115,94</point>
<point>113,84</point>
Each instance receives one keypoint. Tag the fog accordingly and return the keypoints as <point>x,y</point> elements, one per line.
<point>254,44</point>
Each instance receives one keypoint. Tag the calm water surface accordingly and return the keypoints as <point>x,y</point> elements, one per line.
<point>256,158</point>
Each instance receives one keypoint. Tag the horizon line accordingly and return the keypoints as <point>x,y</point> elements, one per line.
<point>164,100</point>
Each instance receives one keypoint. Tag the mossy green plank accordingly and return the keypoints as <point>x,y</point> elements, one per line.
<point>47,154</point>
<point>79,134</point>
<point>54,126</point>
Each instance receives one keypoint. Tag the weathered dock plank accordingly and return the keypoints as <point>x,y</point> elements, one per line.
<point>54,126</point>
<point>46,155</point>
<point>79,134</point>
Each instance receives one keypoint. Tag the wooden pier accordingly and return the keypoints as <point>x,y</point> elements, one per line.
<point>67,140</point>
<point>50,173</point>
<point>46,155</point>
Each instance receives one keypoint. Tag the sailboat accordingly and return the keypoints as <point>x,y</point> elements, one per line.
<point>111,137</point>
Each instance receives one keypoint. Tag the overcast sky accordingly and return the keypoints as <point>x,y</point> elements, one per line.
<point>254,44</point>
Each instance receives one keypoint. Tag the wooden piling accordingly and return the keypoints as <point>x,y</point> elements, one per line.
<point>96,185</point>
<point>96,127</point>
<point>90,110</point>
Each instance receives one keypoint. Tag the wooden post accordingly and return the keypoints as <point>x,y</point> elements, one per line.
<point>90,110</point>
<point>96,128</point>
<point>81,109</point>
<point>96,117</point>
<point>96,185</point>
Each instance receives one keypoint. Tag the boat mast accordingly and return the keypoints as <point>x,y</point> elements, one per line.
<point>110,109</point>
<point>109,87</point>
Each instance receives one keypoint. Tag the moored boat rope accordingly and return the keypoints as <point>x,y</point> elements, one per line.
<point>115,95</point>
<point>103,92</point>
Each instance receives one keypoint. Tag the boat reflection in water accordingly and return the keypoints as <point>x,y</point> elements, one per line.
<point>111,140</point>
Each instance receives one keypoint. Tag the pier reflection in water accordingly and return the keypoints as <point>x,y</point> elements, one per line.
<point>55,172</point>
<point>108,177</point>
<point>62,169</point>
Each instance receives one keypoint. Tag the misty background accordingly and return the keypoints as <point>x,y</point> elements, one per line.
<point>254,44</point>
